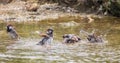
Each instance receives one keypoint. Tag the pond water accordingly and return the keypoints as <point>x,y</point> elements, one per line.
<point>25,49</point>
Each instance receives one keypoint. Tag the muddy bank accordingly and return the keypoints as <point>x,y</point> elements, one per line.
<point>100,7</point>
<point>37,10</point>
<point>16,11</point>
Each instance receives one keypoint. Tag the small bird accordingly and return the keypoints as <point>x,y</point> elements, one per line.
<point>47,37</point>
<point>70,38</point>
<point>12,32</point>
<point>94,38</point>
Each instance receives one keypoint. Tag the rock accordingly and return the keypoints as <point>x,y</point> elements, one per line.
<point>31,6</point>
<point>87,19</point>
<point>5,1</point>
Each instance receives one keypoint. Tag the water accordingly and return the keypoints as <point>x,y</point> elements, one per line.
<point>25,49</point>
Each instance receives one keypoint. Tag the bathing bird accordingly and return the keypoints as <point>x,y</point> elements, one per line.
<point>70,38</point>
<point>12,32</point>
<point>47,37</point>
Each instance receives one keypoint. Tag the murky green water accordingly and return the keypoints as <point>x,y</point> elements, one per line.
<point>25,50</point>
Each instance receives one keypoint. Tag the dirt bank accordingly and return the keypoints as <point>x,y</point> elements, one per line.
<point>16,11</point>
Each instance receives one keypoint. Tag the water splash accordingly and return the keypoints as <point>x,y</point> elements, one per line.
<point>100,38</point>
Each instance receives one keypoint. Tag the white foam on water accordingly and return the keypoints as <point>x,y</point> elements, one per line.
<point>26,44</point>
